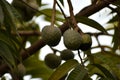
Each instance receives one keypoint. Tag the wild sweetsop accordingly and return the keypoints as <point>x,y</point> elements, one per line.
<point>72,39</point>
<point>86,42</point>
<point>66,54</point>
<point>52,60</point>
<point>51,35</point>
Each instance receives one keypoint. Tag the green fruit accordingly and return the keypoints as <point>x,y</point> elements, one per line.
<point>67,54</point>
<point>86,42</point>
<point>52,61</point>
<point>51,35</point>
<point>21,69</point>
<point>72,39</point>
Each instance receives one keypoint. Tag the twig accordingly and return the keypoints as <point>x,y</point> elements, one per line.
<point>67,19</point>
<point>75,26</point>
<point>27,33</point>
<point>104,46</point>
<point>81,59</point>
<point>99,33</point>
<point>53,14</point>
<point>28,5</point>
<point>102,49</point>
<point>54,50</point>
<point>61,10</point>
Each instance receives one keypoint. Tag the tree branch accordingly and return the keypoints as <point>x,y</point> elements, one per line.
<point>89,10</point>
<point>27,33</point>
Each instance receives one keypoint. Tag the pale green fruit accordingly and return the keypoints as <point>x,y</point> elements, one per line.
<point>52,60</point>
<point>51,35</point>
<point>66,54</point>
<point>21,69</point>
<point>72,39</point>
<point>86,42</point>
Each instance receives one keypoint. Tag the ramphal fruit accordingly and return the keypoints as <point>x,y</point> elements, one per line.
<point>72,39</point>
<point>66,54</point>
<point>51,35</point>
<point>52,60</point>
<point>86,42</point>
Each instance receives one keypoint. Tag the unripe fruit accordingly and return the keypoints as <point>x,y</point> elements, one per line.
<point>52,61</point>
<point>21,69</point>
<point>86,42</point>
<point>51,35</point>
<point>66,54</point>
<point>72,39</point>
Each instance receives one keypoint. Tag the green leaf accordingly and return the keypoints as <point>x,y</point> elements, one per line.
<point>105,71</point>
<point>1,16</point>
<point>92,23</point>
<point>116,39</point>
<point>39,2</point>
<point>11,16</point>
<point>79,73</point>
<point>114,19</point>
<point>110,60</point>
<point>63,69</point>
<point>103,77</point>
<point>56,22</point>
<point>116,3</point>
<point>61,1</point>
<point>89,56</point>
<point>11,42</point>
<point>6,54</point>
<point>48,13</point>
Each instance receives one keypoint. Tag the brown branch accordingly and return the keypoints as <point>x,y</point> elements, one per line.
<point>91,9</point>
<point>53,14</point>
<point>25,54</point>
<point>74,22</point>
<point>88,11</point>
<point>103,46</point>
<point>31,50</point>
<point>27,33</point>
<point>39,44</point>
<point>99,33</point>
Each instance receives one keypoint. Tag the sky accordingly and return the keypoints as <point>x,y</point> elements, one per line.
<point>101,17</point>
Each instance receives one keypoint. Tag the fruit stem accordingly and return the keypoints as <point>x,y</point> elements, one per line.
<point>75,26</point>
<point>61,10</point>
<point>96,36</point>
<point>54,50</point>
<point>82,63</point>
<point>67,19</point>
<point>53,14</point>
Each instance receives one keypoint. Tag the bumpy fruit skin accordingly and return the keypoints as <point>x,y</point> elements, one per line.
<point>51,35</point>
<point>52,60</point>
<point>86,42</point>
<point>72,39</point>
<point>66,54</point>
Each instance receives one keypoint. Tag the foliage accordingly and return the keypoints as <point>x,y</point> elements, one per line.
<point>18,27</point>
